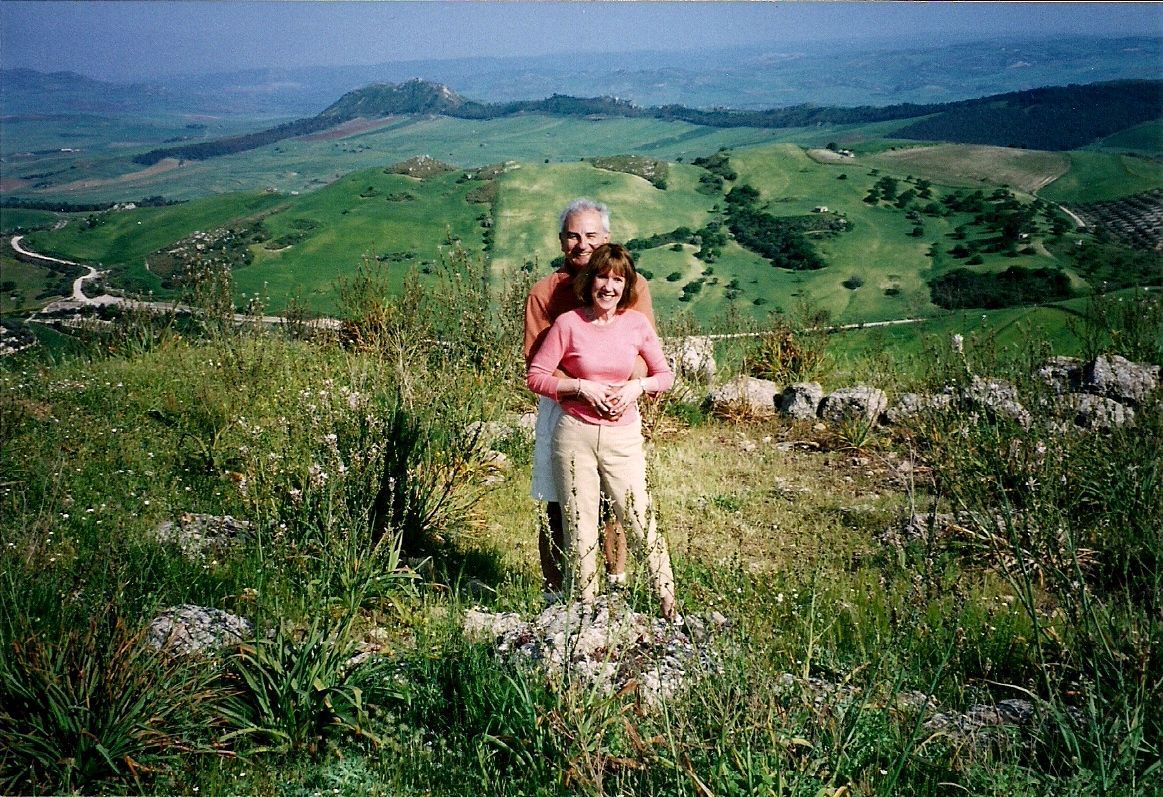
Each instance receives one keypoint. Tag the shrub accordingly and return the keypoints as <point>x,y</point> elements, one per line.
<point>95,704</point>
<point>785,355</point>
<point>1016,285</point>
<point>299,688</point>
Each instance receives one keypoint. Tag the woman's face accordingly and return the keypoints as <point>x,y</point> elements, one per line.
<point>607,291</point>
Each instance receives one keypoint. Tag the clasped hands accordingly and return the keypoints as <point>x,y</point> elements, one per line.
<point>610,401</point>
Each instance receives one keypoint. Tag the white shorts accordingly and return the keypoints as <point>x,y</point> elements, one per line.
<point>544,488</point>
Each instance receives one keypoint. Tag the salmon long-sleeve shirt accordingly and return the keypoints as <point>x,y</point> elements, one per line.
<point>553,295</point>
<point>602,353</point>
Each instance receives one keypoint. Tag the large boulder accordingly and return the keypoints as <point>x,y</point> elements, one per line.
<point>745,394</point>
<point>604,648</point>
<point>1120,379</point>
<point>1094,413</point>
<point>853,403</point>
<point>801,401</point>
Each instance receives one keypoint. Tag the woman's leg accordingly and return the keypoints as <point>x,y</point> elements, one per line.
<point>623,468</point>
<point>578,490</point>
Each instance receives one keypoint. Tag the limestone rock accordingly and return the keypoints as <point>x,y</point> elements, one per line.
<point>1061,374</point>
<point>1120,379</point>
<point>995,397</point>
<point>199,535</point>
<point>911,405</point>
<point>851,403</point>
<point>606,647</point>
<point>1095,413</point>
<point>747,394</point>
<point>692,356</point>
<point>801,401</point>
<point>188,629</point>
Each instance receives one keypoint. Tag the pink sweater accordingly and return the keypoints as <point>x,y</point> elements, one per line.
<point>606,354</point>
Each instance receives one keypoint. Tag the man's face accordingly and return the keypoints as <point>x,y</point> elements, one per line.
<point>580,236</point>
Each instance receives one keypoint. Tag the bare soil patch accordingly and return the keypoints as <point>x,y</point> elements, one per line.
<point>966,164</point>
<point>827,156</point>
<point>161,167</point>
<point>13,184</point>
<point>351,128</point>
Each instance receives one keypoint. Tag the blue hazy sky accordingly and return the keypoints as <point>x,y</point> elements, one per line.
<point>139,40</point>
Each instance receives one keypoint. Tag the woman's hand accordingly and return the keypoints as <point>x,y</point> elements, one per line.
<point>596,395</point>
<point>621,397</point>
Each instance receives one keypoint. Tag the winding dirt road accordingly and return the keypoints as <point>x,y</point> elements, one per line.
<point>80,298</point>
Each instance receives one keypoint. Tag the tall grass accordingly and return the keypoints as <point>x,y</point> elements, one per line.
<point>357,465</point>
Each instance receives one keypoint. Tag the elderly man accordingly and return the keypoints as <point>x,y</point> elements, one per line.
<point>584,225</point>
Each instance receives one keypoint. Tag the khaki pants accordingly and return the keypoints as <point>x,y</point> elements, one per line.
<point>589,460</point>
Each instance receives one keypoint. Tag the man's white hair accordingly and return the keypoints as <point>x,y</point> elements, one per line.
<point>583,205</point>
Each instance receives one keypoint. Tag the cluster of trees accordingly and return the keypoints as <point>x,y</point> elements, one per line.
<point>235,144</point>
<point>887,189</point>
<point>781,242</point>
<point>710,238</point>
<point>1116,266</point>
<point>228,248</point>
<point>962,288</point>
<point>1054,118</point>
<point>718,168</point>
<point>650,169</point>
<point>156,201</point>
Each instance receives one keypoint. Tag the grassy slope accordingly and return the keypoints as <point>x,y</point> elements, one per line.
<point>354,227</point>
<point>531,196</point>
<point>307,163</point>
<point>1099,176</point>
<point>1146,139</point>
<point>125,238</point>
<point>12,219</point>
<point>30,280</point>
<point>878,247</point>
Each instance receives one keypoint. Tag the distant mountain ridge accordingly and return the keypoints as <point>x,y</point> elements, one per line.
<point>1054,118</point>
<point>70,92</point>
<point>779,74</point>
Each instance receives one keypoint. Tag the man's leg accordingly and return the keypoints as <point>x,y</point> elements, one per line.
<point>550,547</point>
<point>550,540</point>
